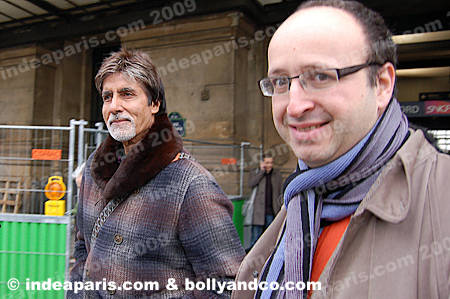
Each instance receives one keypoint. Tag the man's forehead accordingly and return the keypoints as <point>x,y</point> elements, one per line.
<point>318,32</point>
<point>120,81</point>
<point>330,18</point>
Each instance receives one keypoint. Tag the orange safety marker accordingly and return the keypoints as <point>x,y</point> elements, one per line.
<point>229,161</point>
<point>46,154</point>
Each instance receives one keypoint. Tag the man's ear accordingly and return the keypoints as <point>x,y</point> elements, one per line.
<point>155,107</point>
<point>385,85</point>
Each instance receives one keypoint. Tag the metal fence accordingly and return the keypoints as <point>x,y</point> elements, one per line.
<point>29,155</point>
<point>443,139</point>
<point>228,163</point>
<point>89,139</point>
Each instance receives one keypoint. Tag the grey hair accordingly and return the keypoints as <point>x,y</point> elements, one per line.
<point>138,66</point>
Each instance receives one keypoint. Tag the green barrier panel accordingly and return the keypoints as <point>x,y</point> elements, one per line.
<point>238,220</point>
<point>32,249</point>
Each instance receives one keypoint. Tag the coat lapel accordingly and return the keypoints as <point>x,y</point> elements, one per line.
<point>390,196</point>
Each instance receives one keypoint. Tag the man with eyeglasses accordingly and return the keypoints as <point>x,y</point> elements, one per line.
<point>366,212</point>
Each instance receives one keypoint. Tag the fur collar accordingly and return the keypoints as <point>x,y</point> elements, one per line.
<point>144,161</point>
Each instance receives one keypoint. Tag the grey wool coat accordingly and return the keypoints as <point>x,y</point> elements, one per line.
<point>175,221</point>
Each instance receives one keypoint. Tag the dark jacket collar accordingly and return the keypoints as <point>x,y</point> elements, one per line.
<point>144,161</point>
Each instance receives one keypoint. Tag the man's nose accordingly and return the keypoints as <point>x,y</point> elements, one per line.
<point>300,101</point>
<point>116,104</point>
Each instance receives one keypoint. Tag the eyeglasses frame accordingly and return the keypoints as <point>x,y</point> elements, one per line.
<point>342,72</point>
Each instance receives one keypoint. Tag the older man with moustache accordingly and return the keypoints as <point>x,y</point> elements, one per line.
<point>148,213</point>
<point>366,212</point>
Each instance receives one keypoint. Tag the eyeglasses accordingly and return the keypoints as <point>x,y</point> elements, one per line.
<point>311,80</point>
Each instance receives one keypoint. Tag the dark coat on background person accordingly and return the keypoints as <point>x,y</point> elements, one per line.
<point>258,179</point>
<point>174,223</point>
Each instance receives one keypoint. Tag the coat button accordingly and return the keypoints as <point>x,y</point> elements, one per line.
<point>255,274</point>
<point>111,291</point>
<point>118,239</point>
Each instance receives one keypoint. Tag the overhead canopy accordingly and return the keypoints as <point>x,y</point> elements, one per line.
<point>30,21</point>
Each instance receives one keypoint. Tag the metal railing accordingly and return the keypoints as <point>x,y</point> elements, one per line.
<point>228,163</point>
<point>443,139</point>
<point>32,154</point>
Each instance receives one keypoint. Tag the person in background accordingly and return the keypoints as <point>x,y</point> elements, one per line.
<point>147,211</point>
<point>267,202</point>
<point>77,174</point>
<point>366,212</point>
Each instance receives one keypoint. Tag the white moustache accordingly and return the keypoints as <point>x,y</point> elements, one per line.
<point>118,117</point>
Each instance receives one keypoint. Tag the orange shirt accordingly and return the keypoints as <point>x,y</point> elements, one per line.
<point>327,243</point>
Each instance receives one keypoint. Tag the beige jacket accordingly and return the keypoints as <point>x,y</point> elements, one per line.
<point>397,244</point>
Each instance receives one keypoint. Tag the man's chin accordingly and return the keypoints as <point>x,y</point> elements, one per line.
<point>122,136</point>
<point>310,153</point>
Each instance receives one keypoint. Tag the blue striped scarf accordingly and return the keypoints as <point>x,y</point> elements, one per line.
<point>327,194</point>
